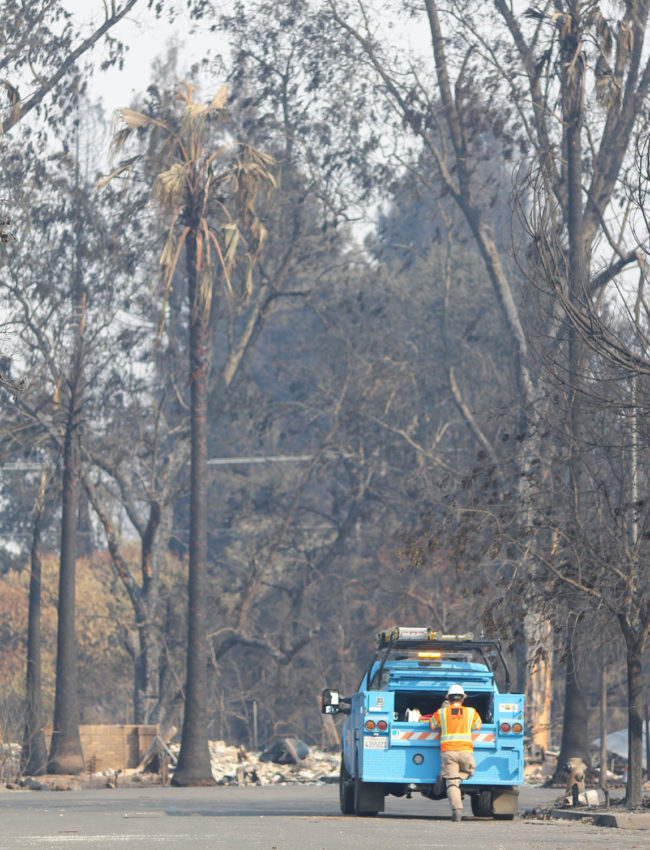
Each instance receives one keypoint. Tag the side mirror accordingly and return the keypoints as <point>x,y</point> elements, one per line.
<point>332,702</point>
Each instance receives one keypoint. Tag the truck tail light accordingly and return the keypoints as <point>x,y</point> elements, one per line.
<point>505,727</point>
<point>382,725</point>
<point>517,728</point>
<point>369,725</point>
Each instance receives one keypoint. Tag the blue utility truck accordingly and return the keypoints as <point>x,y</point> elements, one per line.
<point>388,750</point>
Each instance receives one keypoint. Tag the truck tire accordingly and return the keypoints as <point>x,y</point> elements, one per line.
<point>482,804</point>
<point>346,790</point>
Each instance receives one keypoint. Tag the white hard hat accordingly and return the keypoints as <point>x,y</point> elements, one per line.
<point>455,690</point>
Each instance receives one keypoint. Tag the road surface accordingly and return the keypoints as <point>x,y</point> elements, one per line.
<point>288,817</point>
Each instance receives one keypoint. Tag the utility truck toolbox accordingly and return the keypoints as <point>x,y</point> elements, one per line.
<point>388,744</point>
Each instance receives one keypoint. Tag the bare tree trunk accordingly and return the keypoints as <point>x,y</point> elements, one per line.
<point>647,740</point>
<point>146,698</point>
<point>603,727</point>
<point>85,546</point>
<point>574,732</point>
<point>34,751</point>
<point>65,750</point>
<point>194,759</point>
<point>634,791</point>
<point>575,738</point>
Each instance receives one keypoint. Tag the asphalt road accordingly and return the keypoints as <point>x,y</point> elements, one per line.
<point>290,817</point>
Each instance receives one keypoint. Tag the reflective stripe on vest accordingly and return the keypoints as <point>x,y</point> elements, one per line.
<point>456,724</point>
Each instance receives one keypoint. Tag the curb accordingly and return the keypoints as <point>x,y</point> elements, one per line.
<point>623,820</point>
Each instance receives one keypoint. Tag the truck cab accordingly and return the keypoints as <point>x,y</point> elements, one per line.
<point>388,746</point>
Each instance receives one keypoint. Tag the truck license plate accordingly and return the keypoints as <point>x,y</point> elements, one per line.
<point>375,743</point>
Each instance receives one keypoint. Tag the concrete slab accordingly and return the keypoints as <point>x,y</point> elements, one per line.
<point>572,814</point>
<point>619,820</point>
<point>625,820</point>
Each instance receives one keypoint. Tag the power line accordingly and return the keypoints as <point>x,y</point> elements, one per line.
<point>232,461</point>
<point>26,466</point>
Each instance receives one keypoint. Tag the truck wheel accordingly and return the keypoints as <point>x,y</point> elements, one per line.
<point>482,804</point>
<point>346,790</point>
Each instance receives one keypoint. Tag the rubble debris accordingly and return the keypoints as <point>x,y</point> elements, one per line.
<point>111,777</point>
<point>285,751</point>
<point>157,757</point>
<point>589,797</point>
<point>9,761</point>
<point>232,765</point>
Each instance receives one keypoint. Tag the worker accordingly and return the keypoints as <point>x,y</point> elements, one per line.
<point>456,723</point>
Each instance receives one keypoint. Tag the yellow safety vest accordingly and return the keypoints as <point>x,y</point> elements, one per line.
<point>456,723</point>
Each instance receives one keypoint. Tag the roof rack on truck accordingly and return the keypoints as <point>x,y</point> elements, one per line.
<point>423,642</point>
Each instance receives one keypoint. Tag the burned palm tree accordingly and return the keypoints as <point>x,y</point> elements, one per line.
<point>209,195</point>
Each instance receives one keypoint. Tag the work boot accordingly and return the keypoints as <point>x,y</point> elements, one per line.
<point>438,787</point>
<point>456,816</point>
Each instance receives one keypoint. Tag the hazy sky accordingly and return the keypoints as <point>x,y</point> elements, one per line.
<point>146,38</point>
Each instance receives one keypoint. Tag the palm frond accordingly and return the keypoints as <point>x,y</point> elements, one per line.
<point>247,287</point>
<point>118,139</point>
<point>231,236</point>
<point>218,153</point>
<point>132,119</point>
<point>259,234</point>
<point>220,99</point>
<point>222,261</point>
<point>168,251</point>
<point>212,197</point>
<point>264,160</point>
<point>126,165</point>
<point>168,262</point>
<point>203,224</point>
<point>186,92</point>
<point>169,187</point>
<point>169,259</point>
<point>126,122</point>
<point>193,116</point>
